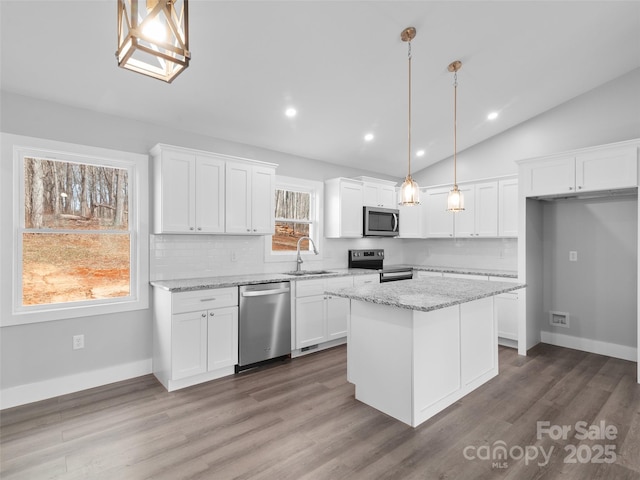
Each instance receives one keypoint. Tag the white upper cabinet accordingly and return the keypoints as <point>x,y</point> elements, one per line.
<point>250,197</point>
<point>189,192</point>
<point>343,208</point>
<point>480,216</point>
<point>206,193</point>
<point>380,194</point>
<point>508,207</point>
<point>439,220</point>
<point>413,219</point>
<point>608,167</point>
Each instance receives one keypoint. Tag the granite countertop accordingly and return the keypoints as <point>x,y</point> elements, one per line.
<point>189,284</point>
<point>425,294</point>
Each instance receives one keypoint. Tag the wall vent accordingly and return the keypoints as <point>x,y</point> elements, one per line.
<point>559,319</point>
<point>310,347</point>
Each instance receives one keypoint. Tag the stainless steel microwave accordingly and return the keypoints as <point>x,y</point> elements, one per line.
<point>380,222</point>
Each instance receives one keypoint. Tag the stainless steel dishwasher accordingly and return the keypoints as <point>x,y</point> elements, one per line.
<point>265,323</point>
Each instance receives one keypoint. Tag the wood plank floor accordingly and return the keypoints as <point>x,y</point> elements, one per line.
<point>299,420</point>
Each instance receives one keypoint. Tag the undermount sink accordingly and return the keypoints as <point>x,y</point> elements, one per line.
<point>308,272</point>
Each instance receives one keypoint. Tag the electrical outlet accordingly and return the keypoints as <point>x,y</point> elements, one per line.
<point>78,342</point>
<point>234,256</point>
<point>573,256</point>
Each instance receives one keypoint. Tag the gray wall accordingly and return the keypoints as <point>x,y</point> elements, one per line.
<point>599,291</point>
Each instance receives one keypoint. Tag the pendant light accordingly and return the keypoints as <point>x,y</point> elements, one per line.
<point>153,37</point>
<point>455,201</point>
<point>409,192</point>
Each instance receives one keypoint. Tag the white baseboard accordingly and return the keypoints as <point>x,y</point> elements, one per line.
<point>587,345</point>
<point>33,392</point>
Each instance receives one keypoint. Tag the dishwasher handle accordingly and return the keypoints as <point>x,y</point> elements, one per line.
<point>261,293</point>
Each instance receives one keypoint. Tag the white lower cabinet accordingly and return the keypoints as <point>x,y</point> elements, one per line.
<point>319,317</point>
<point>195,336</point>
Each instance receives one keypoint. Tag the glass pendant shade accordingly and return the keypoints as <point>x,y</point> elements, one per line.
<point>410,192</point>
<point>455,200</point>
<point>153,37</point>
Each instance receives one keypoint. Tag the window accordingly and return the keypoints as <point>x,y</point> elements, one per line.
<point>297,215</point>
<point>78,236</point>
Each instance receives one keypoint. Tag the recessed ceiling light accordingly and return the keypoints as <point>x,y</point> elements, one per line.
<point>368,137</point>
<point>290,112</point>
<point>492,116</point>
<point>420,153</point>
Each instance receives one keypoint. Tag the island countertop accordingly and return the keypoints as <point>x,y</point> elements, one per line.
<point>425,294</point>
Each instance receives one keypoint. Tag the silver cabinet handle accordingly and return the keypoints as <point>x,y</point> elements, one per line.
<point>208,299</point>
<point>190,228</point>
<point>211,314</point>
<point>203,315</point>
<point>570,188</point>
<point>199,228</point>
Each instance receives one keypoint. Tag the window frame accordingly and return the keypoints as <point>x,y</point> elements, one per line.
<point>316,190</point>
<point>138,218</point>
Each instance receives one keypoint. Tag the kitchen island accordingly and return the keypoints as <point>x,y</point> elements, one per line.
<point>417,346</point>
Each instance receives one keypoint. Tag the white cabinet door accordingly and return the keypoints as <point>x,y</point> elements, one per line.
<point>188,344</point>
<point>222,334</point>
<point>310,321</point>
<point>439,220</point>
<point>175,177</point>
<point>387,197</point>
<point>486,209</point>
<point>370,195</point>
<point>351,210</point>
<point>465,221</point>
<point>376,195</point>
<point>608,168</point>
<point>238,198</point>
<point>250,192</point>
<point>508,208</point>
<point>480,215</point>
<point>209,195</point>
<point>262,200</point>
<point>548,177</point>
<point>338,309</point>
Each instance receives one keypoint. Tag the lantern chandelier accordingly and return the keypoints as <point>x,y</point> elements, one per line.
<point>153,37</point>
<point>455,201</point>
<point>409,192</point>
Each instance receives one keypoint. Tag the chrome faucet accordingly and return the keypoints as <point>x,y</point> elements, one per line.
<point>299,259</point>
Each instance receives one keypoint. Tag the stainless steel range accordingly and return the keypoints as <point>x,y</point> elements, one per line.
<point>374,260</point>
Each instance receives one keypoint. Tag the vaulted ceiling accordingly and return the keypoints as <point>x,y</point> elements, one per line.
<point>341,64</point>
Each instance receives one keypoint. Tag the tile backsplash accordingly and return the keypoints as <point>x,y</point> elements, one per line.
<point>193,256</point>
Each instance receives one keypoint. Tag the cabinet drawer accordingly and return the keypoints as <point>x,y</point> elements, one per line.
<point>306,288</point>
<point>204,299</point>
<point>366,279</point>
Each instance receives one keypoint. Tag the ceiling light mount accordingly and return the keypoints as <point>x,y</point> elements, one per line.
<point>153,37</point>
<point>454,66</point>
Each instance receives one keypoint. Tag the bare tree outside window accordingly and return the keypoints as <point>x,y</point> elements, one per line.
<point>293,220</point>
<point>76,240</point>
